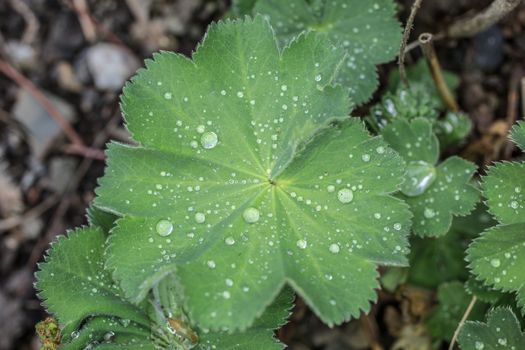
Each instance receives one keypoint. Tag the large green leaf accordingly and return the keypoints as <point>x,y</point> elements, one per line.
<point>504,188</point>
<point>367,30</point>
<point>502,331</point>
<point>251,194</point>
<point>74,284</point>
<point>498,258</point>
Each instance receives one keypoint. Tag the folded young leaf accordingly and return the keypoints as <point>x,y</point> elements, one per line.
<point>242,185</point>
<point>368,30</point>
<point>74,284</point>
<point>501,332</point>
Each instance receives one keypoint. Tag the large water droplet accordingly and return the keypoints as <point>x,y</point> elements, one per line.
<point>251,215</point>
<point>334,248</point>
<point>495,262</point>
<point>164,228</point>
<point>345,195</point>
<point>420,176</point>
<point>302,244</point>
<point>200,218</point>
<point>429,213</point>
<point>209,140</point>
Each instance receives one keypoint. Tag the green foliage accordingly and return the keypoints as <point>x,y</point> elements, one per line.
<point>502,331</point>
<point>368,30</point>
<point>242,182</point>
<point>453,300</point>
<point>80,292</point>
<point>74,284</point>
<point>249,182</point>
<point>497,257</point>
<point>444,255</point>
<point>408,121</point>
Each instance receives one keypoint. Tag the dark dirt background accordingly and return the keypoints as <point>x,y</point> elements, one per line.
<point>79,59</point>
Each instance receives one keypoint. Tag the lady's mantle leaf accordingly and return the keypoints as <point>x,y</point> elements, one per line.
<point>74,285</point>
<point>236,177</point>
<point>260,336</point>
<point>504,188</point>
<point>367,30</point>
<point>498,257</point>
<point>502,331</point>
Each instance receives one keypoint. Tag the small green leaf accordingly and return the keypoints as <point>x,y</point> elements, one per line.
<point>368,30</point>
<point>452,129</point>
<point>484,293</point>
<point>453,301</point>
<point>504,188</point>
<point>518,134</point>
<point>445,254</point>
<point>502,331</point>
<point>408,104</point>
<point>245,182</point>
<point>498,258</point>
<point>105,332</point>
<point>101,219</point>
<point>74,284</point>
<point>450,195</point>
<point>243,7</point>
<point>413,140</point>
<point>419,74</point>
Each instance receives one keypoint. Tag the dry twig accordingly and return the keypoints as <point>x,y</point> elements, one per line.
<point>462,322</point>
<point>50,108</point>
<point>32,25</point>
<point>481,21</point>
<point>404,42</point>
<point>427,46</point>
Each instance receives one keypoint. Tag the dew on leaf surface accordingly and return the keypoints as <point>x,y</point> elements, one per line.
<point>334,248</point>
<point>420,176</point>
<point>200,218</point>
<point>429,213</point>
<point>479,345</point>
<point>164,227</point>
<point>495,262</point>
<point>168,95</point>
<point>345,195</point>
<point>251,215</point>
<point>302,244</point>
<point>209,140</point>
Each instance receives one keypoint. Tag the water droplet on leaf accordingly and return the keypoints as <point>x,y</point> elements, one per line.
<point>251,215</point>
<point>345,195</point>
<point>420,176</point>
<point>209,140</point>
<point>164,228</point>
